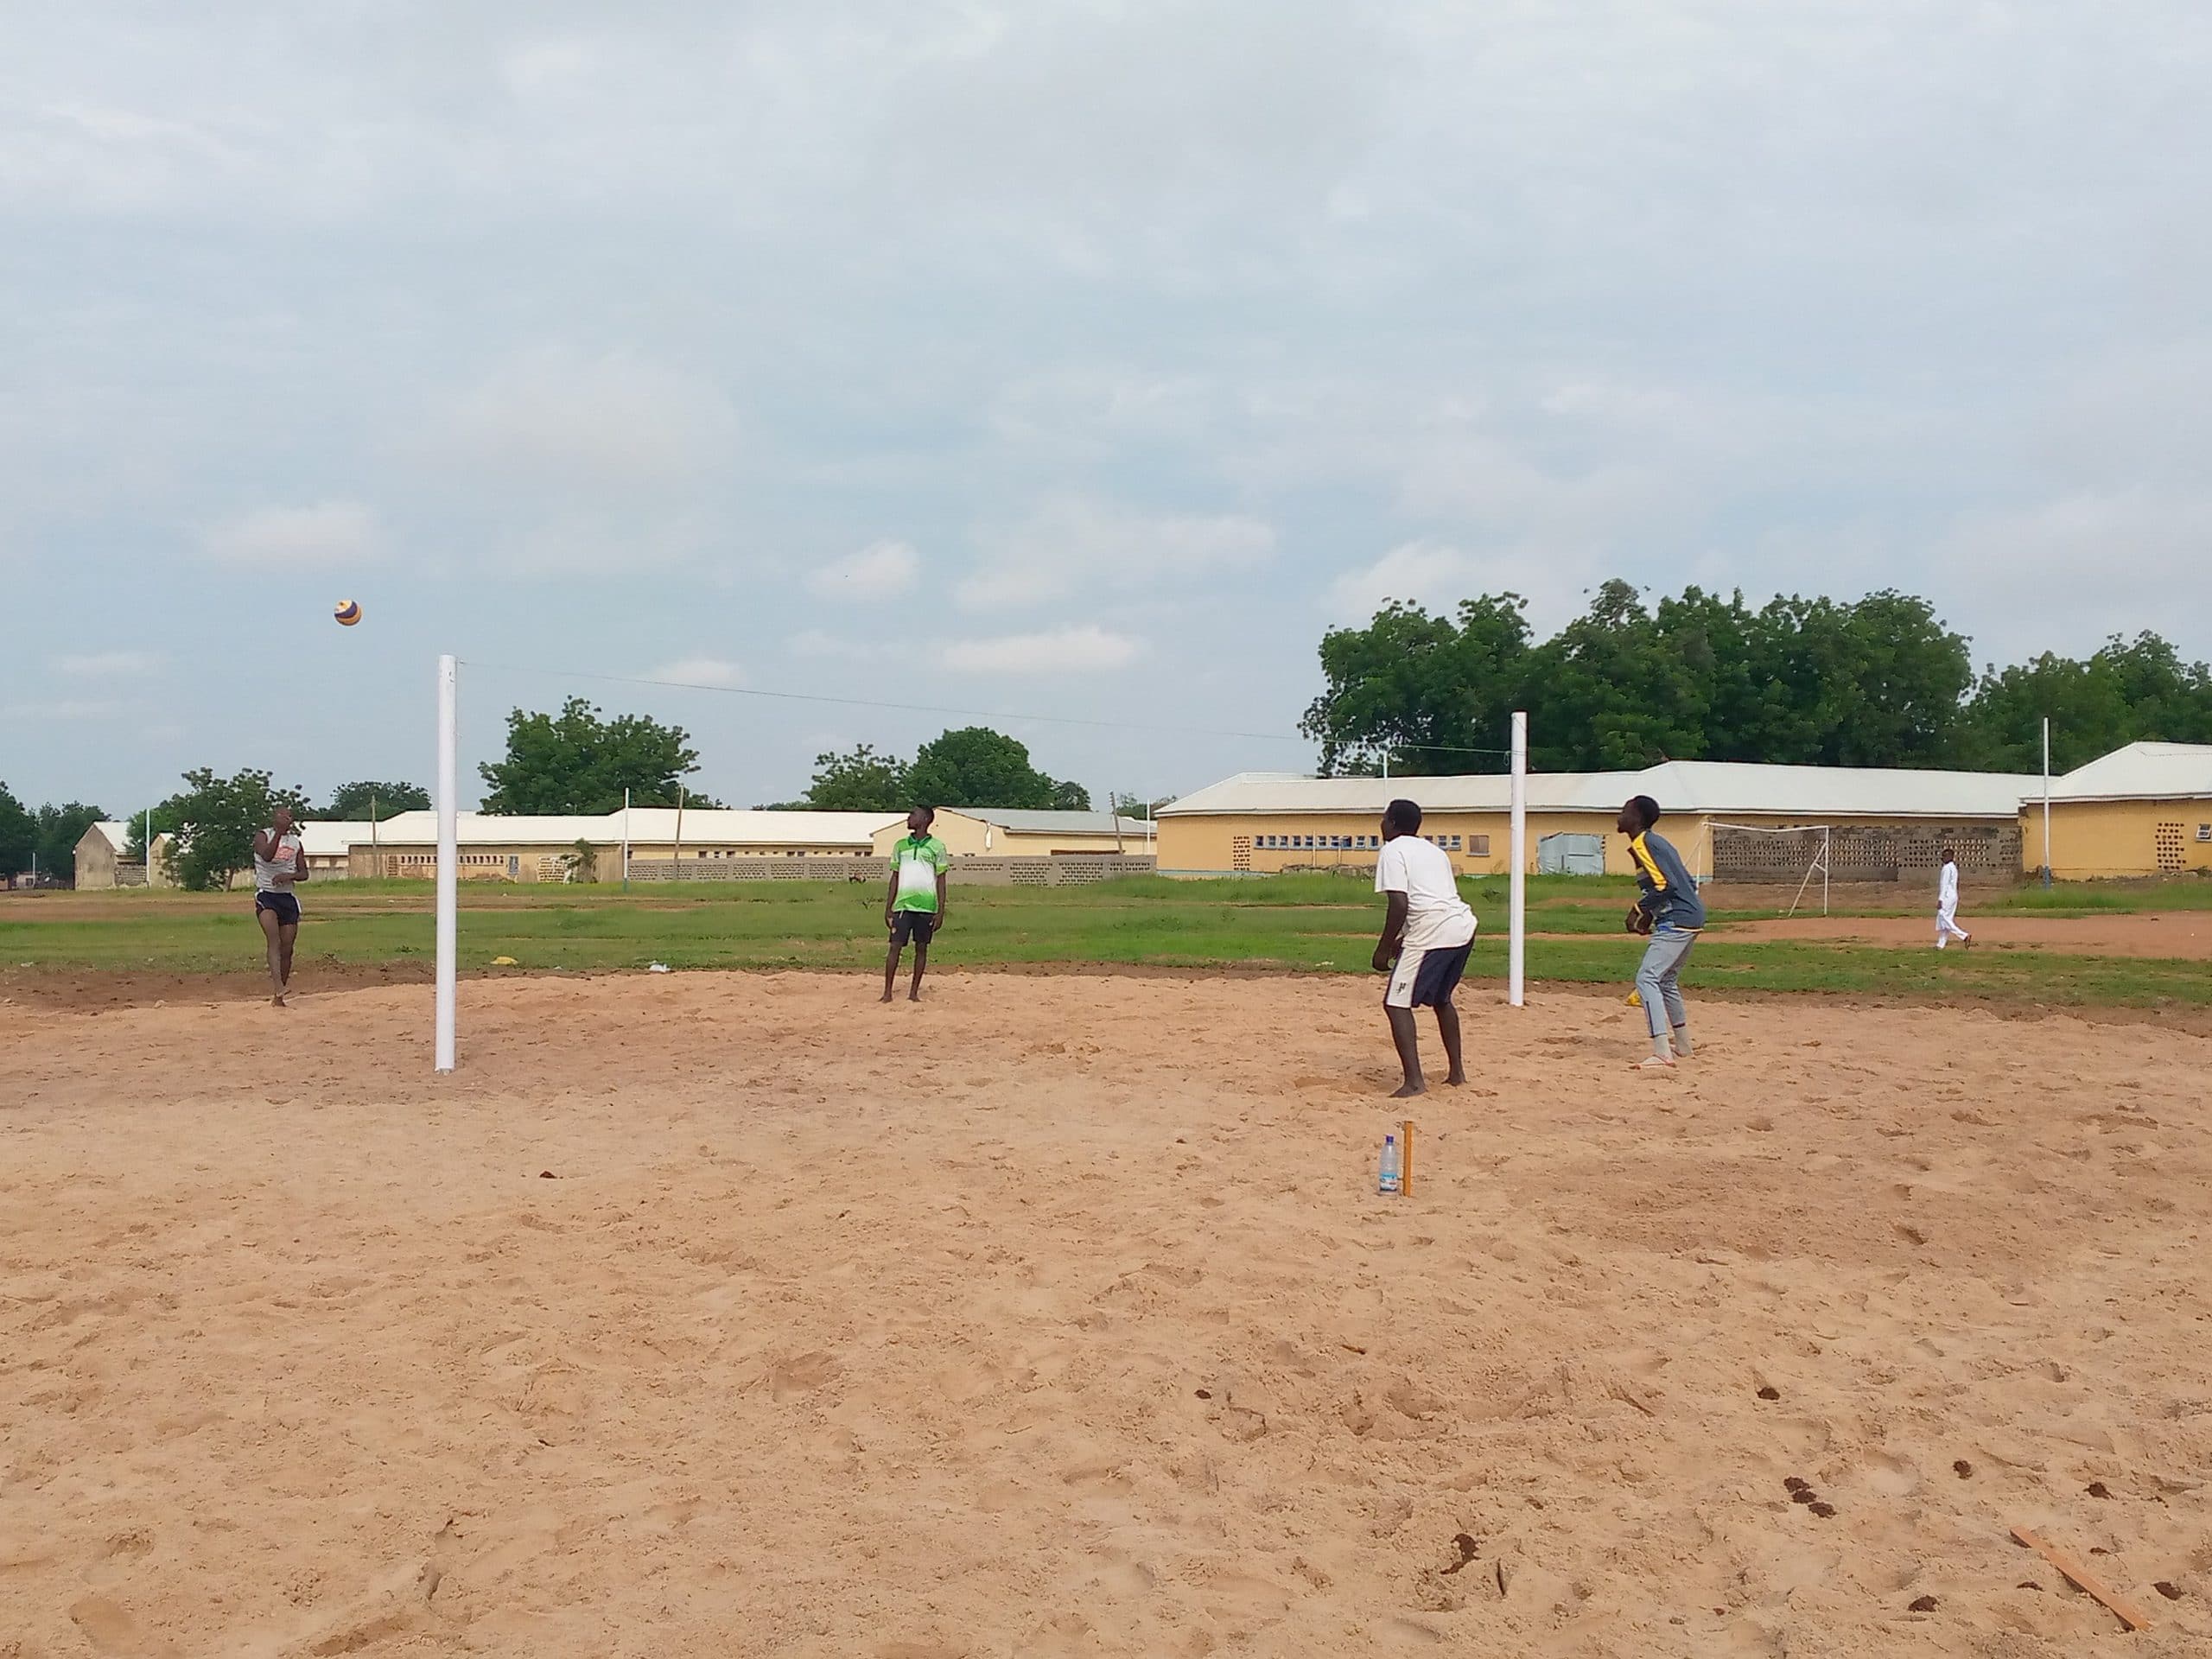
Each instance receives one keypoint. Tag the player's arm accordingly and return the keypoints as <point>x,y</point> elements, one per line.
<point>1394,933</point>
<point>941,885</point>
<point>300,863</point>
<point>891,893</point>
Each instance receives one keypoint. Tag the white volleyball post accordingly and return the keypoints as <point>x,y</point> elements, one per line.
<point>1517,920</point>
<point>448,860</point>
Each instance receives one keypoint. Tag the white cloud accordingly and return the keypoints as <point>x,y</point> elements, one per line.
<point>813,642</point>
<point>699,670</point>
<point>108,665</point>
<point>879,571</point>
<point>65,709</point>
<point>1077,542</point>
<point>1088,650</point>
<point>329,532</point>
<point>1438,575</point>
<point>557,419</point>
<point>2124,561</point>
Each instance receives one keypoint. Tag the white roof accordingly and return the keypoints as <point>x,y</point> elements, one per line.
<point>762,827</point>
<point>2138,771</point>
<point>654,825</point>
<point>489,830</point>
<point>331,837</point>
<point>1050,823</point>
<point>119,835</point>
<point>1704,786</point>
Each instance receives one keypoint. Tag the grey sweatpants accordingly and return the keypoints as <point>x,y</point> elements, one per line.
<point>1657,979</point>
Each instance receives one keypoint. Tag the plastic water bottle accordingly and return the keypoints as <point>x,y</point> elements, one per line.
<point>1388,1185</point>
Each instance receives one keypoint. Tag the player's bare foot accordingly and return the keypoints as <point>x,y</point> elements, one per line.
<point>1457,1079</point>
<point>886,997</point>
<point>1408,1090</point>
<point>913,996</point>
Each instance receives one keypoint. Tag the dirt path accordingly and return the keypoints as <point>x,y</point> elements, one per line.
<point>2174,933</point>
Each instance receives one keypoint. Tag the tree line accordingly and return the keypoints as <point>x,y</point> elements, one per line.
<point>1876,682</point>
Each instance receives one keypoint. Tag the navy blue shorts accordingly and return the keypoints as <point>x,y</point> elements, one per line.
<point>1426,979</point>
<point>285,906</point>
<point>917,925</point>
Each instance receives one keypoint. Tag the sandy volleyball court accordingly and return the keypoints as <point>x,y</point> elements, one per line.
<point>720,1315</point>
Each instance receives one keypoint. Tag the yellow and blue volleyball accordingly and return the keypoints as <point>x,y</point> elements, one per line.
<point>348,612</point>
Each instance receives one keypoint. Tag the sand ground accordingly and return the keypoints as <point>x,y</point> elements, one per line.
<point>722,1314</point>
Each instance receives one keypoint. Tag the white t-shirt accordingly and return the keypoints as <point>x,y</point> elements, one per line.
<point>286,862</point>
<point>1436,916</point>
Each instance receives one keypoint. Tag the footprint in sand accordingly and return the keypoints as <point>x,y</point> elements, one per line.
<point>802,1374</point>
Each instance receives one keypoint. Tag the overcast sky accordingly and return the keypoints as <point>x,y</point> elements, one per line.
<point>1081,359</point>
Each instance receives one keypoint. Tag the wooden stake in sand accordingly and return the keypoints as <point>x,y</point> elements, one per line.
<point>1405,1159</point>
<point>2074,1568</point>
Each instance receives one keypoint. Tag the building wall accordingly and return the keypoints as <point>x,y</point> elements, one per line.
<point>1479,844</point>
<point>2093,840</point>
<point>95,862</point>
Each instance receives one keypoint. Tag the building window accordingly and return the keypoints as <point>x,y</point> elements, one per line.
<point>1479,845</point>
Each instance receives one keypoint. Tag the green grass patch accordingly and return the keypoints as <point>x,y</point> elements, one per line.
<point>1308,923</point>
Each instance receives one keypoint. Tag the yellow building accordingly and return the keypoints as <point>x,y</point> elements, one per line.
<point>1267,822</point>
<point>2142,811</point>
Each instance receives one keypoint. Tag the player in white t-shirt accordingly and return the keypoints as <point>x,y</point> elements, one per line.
<point>1426,938</point>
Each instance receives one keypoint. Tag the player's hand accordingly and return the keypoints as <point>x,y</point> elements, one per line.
<point>1382,959</point>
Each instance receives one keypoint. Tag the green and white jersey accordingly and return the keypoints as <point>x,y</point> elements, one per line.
<point>917,861</point>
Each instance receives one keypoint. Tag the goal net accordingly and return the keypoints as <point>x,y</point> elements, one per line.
<point>1759,855</point>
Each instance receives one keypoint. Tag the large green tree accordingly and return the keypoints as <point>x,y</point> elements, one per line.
<point>977,767</point>
<point>213,821</point>
<point>860,781</point>
<point>2127,691</point>
<point>18,836</point>
<point>1426,693</point>
<point>59,829</point>
<point>366,803</point>
<point>579,761</point>
<point>1876,682</point>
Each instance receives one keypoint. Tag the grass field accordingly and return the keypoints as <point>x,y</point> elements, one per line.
<point>1301,924</point>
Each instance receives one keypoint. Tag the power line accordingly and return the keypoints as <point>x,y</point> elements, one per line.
<point>940,708</point>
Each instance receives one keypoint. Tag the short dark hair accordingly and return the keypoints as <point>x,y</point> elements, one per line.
<point>928,814</point>
<point>1403,816</point>
<point>1647,809</point>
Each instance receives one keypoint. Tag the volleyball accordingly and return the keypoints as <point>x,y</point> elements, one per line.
<point>348,612</point>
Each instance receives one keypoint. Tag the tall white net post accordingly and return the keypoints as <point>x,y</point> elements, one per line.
<point>1518,919</point>
<point>448,859</point>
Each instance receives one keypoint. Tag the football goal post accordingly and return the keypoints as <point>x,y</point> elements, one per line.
<point>1764,853</point>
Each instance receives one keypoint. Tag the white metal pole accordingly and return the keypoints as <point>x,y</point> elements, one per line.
<point>1518,920</point>
<point>448,860</point>
<point>2046,800</point>
<point>625,841</point>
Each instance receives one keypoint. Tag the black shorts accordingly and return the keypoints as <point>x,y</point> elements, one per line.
<point>1426,979</point>
<point>918,926</point>
<point>285,906</point>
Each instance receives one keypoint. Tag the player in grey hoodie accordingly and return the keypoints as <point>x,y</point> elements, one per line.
<point>1669,911</point>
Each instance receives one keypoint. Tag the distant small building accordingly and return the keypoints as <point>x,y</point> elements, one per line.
<point>2144,809</point>
<point>996,832</point>
<point>101,863</point>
